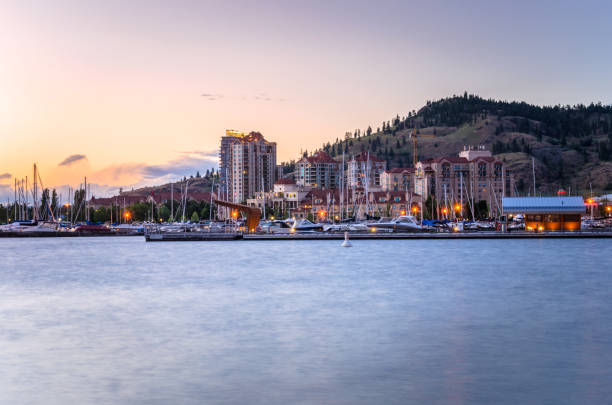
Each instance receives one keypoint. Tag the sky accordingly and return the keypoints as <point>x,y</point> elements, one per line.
<point>130,93</point>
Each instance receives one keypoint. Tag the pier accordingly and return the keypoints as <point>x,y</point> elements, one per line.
<point>206,236</point>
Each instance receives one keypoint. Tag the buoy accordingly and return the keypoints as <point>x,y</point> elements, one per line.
<point>347,242</point>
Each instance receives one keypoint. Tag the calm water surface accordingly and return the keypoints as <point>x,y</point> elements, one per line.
<point>121,321</point>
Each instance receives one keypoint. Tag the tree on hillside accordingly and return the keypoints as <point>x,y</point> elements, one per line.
<point>54,201</point>
<point>195,217</point>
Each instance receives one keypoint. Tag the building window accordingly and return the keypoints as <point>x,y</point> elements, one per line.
<point>446,170</point>
<point>482,170</point>
<point>498,170</point>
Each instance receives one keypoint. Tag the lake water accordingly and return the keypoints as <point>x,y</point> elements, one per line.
<point>120,321</point>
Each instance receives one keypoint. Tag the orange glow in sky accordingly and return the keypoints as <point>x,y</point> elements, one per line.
<point>144,90</point>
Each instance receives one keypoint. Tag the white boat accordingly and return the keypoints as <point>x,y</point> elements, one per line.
<point>358,227</point>
<point>401,223</point>
<point>30,226</point>
<point>305,225</point>
<point>128,229</point>
<point>276,227</point>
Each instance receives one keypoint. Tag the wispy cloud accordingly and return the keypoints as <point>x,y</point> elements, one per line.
<point>72,159</point>
<point>135,175</point>
<point>212,96</point>
<point>262,96</point>
<point>106,181</point>
<point>5,193</point>
<point>187,164</point>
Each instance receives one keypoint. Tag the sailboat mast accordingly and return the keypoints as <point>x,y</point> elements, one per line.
<point>342,188</point>
<point>263,196</point>
<point>533,170</point>
<point>212,190</point>
<point>15,203</point>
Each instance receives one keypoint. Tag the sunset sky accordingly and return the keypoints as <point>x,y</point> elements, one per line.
<point>139,92</point>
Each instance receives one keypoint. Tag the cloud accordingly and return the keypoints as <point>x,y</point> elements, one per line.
<point>72,159</point>
<point>136,175</point>
<point>6,193</point>
<point>261,96</point>
<point>5,176</point>
<point>211,96</point>
<point>187,164</point>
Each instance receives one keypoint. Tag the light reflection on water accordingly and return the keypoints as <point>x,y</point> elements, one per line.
<point>121,321</point>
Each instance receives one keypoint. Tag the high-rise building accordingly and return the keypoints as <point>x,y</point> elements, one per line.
<point>225,152</point>
<point>247,164</point>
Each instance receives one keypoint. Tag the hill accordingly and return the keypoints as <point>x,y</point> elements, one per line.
<point>570,145</point>
<point>194,184</point>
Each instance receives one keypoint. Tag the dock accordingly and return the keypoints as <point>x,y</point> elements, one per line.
<point>206,236</point>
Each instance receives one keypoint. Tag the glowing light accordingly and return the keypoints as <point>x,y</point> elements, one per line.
<point>540,228</point>
<point>292,230</point>
<point>321,214</point>
<point>373,229</point>
<point>272,217</point>
<point>444,211</point>
<point>403,212</point>
<point>414,209</point>
<point>457,207</point>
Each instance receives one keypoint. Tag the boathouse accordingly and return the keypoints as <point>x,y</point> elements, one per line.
<point>546,213</point>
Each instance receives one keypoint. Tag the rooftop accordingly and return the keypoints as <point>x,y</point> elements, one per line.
<point>364,156</point>
<point>285,180</point>
<point>319,157</point>
<point>543,205</point>
<point>400,170</point>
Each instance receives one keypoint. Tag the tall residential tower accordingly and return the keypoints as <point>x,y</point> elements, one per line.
<point>247,165</point>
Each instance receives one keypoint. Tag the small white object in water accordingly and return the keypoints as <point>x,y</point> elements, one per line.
<point>347,242</point>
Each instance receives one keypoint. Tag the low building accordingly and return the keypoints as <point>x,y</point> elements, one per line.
<point>474,175</point>
<point>283,201</point>
<point>365,166</point>
<point>318,171</point>
<point>546,213</point>
<point>398,179</point>
<point>324,205</point>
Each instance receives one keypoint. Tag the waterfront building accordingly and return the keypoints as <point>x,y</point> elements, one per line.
<point>365,166</point>
<point>398,179</point>
<point>318,171</point>
<point>324,205</point>
<point>225,153</point>
<point>248,165</point>
<point>472,177</point>
<point>283,200</point>
<point>547,213</point>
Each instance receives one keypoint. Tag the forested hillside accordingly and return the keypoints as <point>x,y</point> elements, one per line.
<point>571,145</point>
